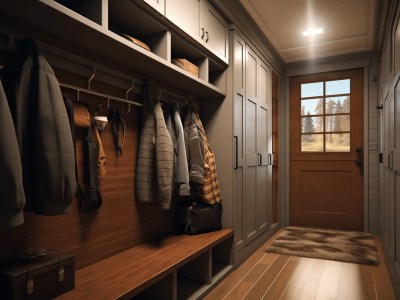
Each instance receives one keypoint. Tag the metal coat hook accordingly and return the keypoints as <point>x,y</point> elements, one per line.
<point>91,77</point>
<point>129,109</point>
<point>130,89</point>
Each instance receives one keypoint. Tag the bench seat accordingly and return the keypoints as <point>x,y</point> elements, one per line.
<point>132,271</point>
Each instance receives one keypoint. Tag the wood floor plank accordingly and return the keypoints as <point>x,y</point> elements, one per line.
<point>220,291</point>
<point>319,279</point>
<point>248,281</point>
<point>328,288</point>
<point>305,280</point>
<point>356,282</point>
<point>267,278</point>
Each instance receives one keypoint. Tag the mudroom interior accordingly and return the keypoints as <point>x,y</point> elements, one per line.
<point>199,149</point>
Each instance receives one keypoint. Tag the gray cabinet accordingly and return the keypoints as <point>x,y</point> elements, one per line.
<point>257,200</point>
<point>240,132</point>
<point>185,14</point>
<point>200,20</point>
<point>214,30</point>
<point>252,199</point>
<point>158,5</point>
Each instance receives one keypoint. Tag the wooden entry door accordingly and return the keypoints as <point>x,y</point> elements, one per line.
<point>326,150</point>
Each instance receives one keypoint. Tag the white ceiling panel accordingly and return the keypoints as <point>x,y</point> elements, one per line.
<point>348,26</point>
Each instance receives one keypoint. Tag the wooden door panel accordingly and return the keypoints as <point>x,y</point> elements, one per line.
<point>323,195</point>
<point>326,188</point>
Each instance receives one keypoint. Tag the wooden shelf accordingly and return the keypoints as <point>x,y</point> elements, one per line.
<point>63,24</point>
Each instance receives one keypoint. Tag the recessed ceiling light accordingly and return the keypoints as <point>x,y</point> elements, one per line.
<point>313,31</point>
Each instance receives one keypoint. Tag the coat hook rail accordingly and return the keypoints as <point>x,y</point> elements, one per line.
<point>163,92</point>
<point>109,98</point>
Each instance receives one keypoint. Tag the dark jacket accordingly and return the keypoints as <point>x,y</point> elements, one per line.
<point>42,129</point>
<point>12,198</point>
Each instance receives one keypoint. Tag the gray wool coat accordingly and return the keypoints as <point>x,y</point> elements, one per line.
<point>155,162</point>
<point>12,199</point>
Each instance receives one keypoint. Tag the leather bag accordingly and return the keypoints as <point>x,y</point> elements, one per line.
<point>200,217</point>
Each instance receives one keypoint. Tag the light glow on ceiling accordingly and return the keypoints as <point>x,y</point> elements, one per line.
<point>313,31</point>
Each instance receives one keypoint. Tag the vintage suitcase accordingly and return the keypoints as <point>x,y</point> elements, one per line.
<point>43,277</point>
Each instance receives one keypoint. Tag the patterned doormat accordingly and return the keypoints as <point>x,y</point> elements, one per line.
<point>347,246</point>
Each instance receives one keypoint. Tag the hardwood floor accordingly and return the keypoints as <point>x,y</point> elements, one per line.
<point>276,276</point>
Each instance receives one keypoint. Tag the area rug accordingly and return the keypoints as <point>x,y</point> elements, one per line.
<point>346,246</point>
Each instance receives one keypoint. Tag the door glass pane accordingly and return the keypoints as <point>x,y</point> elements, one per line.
<point>337,105</point>
<point>337,123</point>
<point>337,87</point>
<point>312,89</point>
<point>312,106</point>
<point>337,142</point>
<point>312,142</point>
<point>312,124</point>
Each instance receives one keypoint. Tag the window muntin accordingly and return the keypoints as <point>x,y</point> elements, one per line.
<point>325,116</point>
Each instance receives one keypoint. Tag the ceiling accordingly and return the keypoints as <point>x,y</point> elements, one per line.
<point>348,26</point>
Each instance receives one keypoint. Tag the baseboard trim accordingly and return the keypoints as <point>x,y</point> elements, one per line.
<point>244,253</point>
<point>394,272</point>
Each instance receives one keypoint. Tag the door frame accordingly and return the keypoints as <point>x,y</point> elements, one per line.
<point>323,68</point>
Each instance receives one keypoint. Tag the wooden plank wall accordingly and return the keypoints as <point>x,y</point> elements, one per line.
<point>120,223</point>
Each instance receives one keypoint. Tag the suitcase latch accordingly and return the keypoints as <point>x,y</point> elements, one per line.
<point>29,287</point>
<point>61,274</point>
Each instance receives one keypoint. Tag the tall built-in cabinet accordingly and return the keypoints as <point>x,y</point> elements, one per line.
<point>390,148</point>
<point>241,134</point>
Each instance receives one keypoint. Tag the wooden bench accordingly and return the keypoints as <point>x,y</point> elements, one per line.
<point>174,267</point>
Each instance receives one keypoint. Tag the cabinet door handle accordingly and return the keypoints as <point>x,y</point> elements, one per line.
<point>202,33</point>
<point>269,159</point>
<point>235,137</point>
<point>259,159</point>
<point>207,36</point>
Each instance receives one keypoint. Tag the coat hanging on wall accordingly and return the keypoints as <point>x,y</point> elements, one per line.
<point>11,188</point>
<point>42,130</point>
<point>155,162</point>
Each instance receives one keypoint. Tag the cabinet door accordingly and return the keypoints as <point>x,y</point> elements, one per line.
<point>238,66</point>
<point>158,5</point>
<point>214,30</point>
<point>185,14</point>
<point>252,157</point>
<point>264,182</point>
<point>396,169</point>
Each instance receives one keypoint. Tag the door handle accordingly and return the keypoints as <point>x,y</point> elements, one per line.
<point>202,33</point>
<point>235,138</point>
<point>359,159</point>
<point>207,37</point>
<point>259,159</point>
<point>269,159</point>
